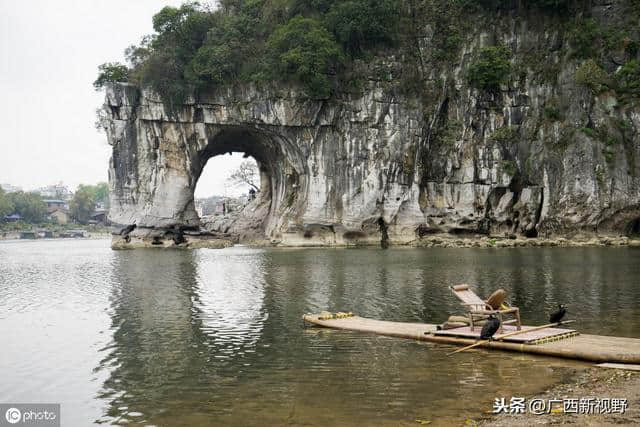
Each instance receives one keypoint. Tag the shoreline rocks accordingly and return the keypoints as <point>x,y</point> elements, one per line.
<point>190,242</point>
<point>212,240</point>
<point>584,383</point>
<point>505,242</point>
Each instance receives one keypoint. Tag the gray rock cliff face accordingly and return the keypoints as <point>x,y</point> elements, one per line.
<point>388,162</point>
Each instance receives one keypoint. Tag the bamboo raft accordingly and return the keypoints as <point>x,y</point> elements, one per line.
<point>560,343</point>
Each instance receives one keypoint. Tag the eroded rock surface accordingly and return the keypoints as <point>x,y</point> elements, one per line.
<point>382,160</point>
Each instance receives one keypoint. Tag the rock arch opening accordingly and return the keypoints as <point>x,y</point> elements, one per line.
<point>229,185</point>
<point>264,199</point>
<point>633,228</point>
<point>219,176</point>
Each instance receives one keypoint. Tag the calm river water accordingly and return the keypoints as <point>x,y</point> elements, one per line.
<point>215,337</point>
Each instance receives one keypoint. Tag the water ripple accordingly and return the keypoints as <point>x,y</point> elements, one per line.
<point>194,338</point>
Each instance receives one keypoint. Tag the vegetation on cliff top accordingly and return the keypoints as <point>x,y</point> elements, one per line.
<point>254,40</point>
<point>310,42</point>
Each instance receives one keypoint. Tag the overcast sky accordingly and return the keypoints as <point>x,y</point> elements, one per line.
<point>49,55</point>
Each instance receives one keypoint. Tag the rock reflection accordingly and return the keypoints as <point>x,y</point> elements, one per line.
<point>153,333</point>
<point>176,317</point>
<point>228,302</point>
<point>215,337</point>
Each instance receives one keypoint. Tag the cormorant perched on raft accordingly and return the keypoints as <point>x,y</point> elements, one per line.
<point>557,316</point>
<point>490,328</point>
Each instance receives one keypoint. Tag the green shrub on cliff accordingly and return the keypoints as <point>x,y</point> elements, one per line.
<point>111,72</point>
<point>506,135</point>
<point>552,110</point>
<point>305,51</point>
<point>362,24</point>
<point>584,37</point>
<point>591,75</point>
<point>490,69</point>
<point>228,51</point>
<point>628,78</point>
<point>163,58</point>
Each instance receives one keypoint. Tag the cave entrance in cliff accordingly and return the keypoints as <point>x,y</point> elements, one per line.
<point>227,184</point>
<point>229,176</point>
<point>277,181</point>
<point>633,229</point>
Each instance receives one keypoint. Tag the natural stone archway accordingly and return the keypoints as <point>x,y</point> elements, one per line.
<point>280,165</point>
<point>157,163</point>
<point>329,177</point>
<point>404,148</point>
<point>377,168</point>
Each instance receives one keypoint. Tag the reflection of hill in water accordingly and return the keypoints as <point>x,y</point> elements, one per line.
<point>215,337</point>
<point>229,301</point>
<point>177,320</point>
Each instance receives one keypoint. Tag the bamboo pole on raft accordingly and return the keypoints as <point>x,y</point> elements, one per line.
<point>510,334</point>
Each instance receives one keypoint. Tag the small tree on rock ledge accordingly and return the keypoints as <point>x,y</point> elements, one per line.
<point>491,68</point>
<point>246,174</point>
<point>111,72</point>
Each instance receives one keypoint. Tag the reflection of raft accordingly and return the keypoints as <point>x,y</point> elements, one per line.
<point>558,342</point>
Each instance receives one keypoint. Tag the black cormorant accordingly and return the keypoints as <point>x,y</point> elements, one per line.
<point>490,328</point>
<point>557,316</point>
<point>128,229</point>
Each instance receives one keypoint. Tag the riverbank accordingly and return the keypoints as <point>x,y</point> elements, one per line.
<point>212,240</point>
<point>186,242</point>
<point>87,235</point>
<point>446,241</point>
<point>596,383</point>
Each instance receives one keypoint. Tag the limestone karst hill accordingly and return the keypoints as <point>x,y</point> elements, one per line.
<point>528,124</point>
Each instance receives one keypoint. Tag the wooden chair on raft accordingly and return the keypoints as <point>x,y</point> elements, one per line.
<point>495,304</point>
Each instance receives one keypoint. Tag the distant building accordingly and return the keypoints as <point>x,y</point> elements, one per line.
<point>218,205</point>
<point>59,216</point>
<point>220,208</point>
<point>56,204</point>
<point>225,205</point>
<point>56,191</point>
<point>207,206</point>
<point>8,188</point>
